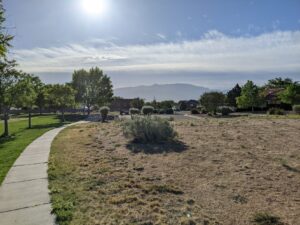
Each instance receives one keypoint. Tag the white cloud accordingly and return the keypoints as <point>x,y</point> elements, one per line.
<point>161,36</point>
<point>215,52</point>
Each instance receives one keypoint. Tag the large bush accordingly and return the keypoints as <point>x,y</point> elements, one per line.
<point>147,110</point>
<point>212,100</point>
<point>134,111</point>
<point>104,112</point>
<point>276,111</point>
<point>225,110</point>
<point>195,111</point>
<point>296,109</point>
<point>169,111</point>
<point>148,129</point>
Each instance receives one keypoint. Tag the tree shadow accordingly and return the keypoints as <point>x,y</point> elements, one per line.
<point>5,139</point>
<point>157,148</point>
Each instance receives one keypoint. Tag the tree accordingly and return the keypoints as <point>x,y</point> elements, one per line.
<point>41,91</point>
<point>212,100</point>
<point>61,96</point>
<point>92,87</point>
<point>137,103</point>
<point>8,77</point>
<point>168,104</point>
<point>291,95</point>
<point>279,83</point>
<point>232,95</point>
<point>26,94</point>
<point>249,97</point>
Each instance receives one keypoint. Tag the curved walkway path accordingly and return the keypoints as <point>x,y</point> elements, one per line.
<point>24,194</point>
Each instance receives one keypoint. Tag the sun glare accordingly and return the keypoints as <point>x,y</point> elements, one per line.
<point>94,7</point>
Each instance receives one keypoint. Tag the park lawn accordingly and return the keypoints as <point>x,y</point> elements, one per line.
<point>21,136</point>
<point>225,171</point>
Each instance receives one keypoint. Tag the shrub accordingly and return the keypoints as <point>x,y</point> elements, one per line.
<point>134,111</point>
<point>147,110</point>
<point>195,111</point>
<point>203,111</point>
<point>266,219</point>
<point>296,109</point>
<point>104,112</point>
<point>225,110</point>
<point>148,129</point>
<point>169,111</point>
<point>275,111</point>
<point>162,111</point>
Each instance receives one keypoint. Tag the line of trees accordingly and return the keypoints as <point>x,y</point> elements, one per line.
<point>26,91</point>
<point>251,96</point>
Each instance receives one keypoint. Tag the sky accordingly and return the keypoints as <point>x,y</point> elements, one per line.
<point>210,43</point>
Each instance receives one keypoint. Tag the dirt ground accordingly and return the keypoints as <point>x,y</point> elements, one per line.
<point>221,171</point>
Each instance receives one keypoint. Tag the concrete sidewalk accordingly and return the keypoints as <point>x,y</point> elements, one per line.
<point>24,194</point>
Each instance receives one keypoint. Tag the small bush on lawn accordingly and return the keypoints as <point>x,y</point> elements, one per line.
<point>276,111</point>
<point>169,111</point>
<point>195,111</point>
<point>134,111</point>
<point>203,111</point>
<point>296,109</point>
<point>147,110</point>
<point>104,112</point>
<point>148,129</point>
<point>225,110</point>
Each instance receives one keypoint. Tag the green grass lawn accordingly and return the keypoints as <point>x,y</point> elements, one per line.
<point>20,137</point>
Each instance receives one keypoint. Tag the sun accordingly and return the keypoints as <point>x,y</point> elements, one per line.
<point>94,7</point>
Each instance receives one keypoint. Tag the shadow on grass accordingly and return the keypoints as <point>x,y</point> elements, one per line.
<point>159,148</point>
<point>4,139</point>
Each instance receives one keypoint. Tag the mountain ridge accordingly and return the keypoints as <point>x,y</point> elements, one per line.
<point>160,92</point>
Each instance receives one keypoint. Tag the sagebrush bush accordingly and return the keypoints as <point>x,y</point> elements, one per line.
<point>169,111</point>
<point>148,129</point>
<point>225,110</point>
<point>275,111</point>
<point>296,109</point>
<point>104,112</point>
<point>134,111</point>
<point>147,110</point>
<point>195,111</point>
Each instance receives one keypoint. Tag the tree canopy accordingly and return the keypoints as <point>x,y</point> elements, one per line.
<point>212,100</point>
<point>92,87</point>
<point>233,94</point>
<point>249,96</point>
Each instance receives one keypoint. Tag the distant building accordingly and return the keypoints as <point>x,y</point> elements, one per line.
<point>188,105</point>
<point>121,105</point>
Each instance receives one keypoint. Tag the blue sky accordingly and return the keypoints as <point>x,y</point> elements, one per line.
<point>212,43</point>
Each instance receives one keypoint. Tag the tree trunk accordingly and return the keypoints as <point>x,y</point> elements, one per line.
<point>89,110</point>
<point>29,119</point>
<point>252,109</point>
<point>63,115</point>
<point>6,133</point>
<point>40,108</point>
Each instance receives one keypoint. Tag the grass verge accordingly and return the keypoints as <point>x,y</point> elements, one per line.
<point>20,137</point>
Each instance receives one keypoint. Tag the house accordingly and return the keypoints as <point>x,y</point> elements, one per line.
<point>188,105</point>
<point>271,96</point>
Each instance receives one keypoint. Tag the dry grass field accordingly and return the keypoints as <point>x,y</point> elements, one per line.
<point>221,171</point>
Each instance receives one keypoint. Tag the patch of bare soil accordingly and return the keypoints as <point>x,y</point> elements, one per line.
<point>221,171</point>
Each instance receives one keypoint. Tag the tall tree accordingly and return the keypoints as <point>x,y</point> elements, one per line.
<point>249,97</point>
<point>92,87</point>
<point>291,94</point>
<point>137,103</point>
<point>279,82</point>
<point>26,93</point>
<point>8,76</point>
<point>212,100</point>
<point>233,94</point>
<point>61,96</point>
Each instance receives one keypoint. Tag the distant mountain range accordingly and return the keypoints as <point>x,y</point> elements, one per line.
<point>162,92</point>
